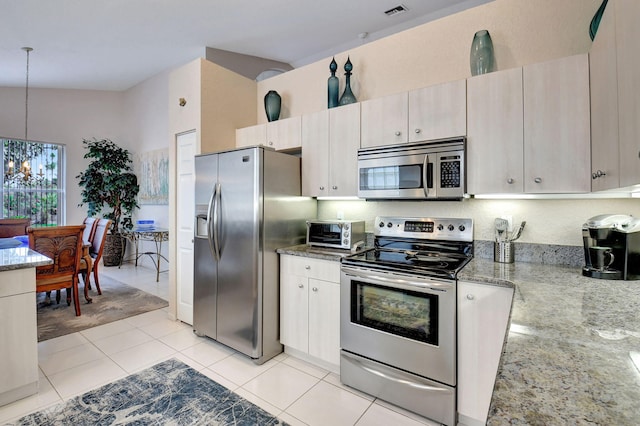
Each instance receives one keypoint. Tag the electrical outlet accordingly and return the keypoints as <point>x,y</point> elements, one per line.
<point>509,219</point>
<point>340,215</point>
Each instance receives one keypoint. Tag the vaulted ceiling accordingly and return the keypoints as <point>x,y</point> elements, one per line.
<point>115,44</point>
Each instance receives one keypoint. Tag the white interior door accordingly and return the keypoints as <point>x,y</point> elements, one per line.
<point>186,150</point>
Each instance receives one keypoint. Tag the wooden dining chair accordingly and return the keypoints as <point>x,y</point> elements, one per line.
<point>90,266</point>
<point>91,223</point>
<point>13,227</point>
<point>62,244</point>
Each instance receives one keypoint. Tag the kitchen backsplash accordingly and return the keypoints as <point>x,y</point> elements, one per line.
<point>548,254</point>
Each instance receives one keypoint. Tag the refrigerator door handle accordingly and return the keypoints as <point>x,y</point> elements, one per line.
<point>217,194</point>
<point>210,229</point>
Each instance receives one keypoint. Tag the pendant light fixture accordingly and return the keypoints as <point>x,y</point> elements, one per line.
<point>24,172</point>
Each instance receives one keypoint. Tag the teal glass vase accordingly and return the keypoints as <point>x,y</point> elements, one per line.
<point>347,96</point>
<point>272,104</point>
<point>333,85</point>
<point>481,58</point>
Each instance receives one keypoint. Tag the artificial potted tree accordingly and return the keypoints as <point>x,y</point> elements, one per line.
<point>110,187</point>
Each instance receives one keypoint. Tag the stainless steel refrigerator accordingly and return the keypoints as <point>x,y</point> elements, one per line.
<point>247,205</point>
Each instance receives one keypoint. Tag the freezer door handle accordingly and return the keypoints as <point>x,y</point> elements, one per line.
<point>210,224</point>
<point>214,210</point>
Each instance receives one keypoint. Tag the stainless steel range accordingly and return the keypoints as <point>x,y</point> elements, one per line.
<point>398,313</point>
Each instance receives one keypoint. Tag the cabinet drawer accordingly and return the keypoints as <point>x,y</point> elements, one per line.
<point>325,270</point>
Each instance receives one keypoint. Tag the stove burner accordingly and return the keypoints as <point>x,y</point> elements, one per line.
<point>441,259</point>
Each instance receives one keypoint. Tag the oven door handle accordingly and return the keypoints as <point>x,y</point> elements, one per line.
<point>431,284</point>
<point>395,379</point>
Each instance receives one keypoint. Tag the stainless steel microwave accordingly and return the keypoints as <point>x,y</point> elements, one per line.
<point>340,234</point>
<point>430,170</point>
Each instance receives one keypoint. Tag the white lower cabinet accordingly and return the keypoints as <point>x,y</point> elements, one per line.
<point>483,317</point>
<point>310,309</point>
<point>18,335</point>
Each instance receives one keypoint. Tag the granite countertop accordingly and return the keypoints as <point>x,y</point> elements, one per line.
<point>315,252</point>
<point>568,354</point>
<point>21,258</point>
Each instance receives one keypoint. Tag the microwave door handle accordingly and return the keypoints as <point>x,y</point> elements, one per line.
<point>427,178</point>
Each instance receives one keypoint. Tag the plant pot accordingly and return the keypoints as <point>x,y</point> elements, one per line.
<point>113,251</point>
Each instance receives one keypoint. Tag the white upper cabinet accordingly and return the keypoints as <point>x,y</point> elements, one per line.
<point>628,62</point>
<point>495,135</point>
<point>438,111</point>
<point>330,143</point>
<point>385,120</point>
<point>315,154</point>
<point>250,136</point>
<point>284,134</point>
<point>433,112</point>
<point>605,153</point>
<point>557,144</point>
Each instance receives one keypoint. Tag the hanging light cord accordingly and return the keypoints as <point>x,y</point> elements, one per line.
<point>26,95</point>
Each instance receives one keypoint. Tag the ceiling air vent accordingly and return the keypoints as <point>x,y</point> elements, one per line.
<point>396,10</point>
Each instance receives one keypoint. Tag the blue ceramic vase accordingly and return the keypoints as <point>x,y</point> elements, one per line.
<point>272,104</point>
<point>481,59</point>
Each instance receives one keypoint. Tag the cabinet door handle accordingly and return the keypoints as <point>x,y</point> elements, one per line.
<point>417,131</point>
<point>307,267</point>
<point>398,133</point>
<point>470,297</point>
<point>300,286</point>
<point>334,187</point>
<point>537,180</point>
<point>315,289</point>
<point>510,181</point>
<point>322,188</point>
<point>270,143</point>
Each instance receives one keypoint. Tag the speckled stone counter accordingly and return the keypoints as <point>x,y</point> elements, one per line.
<point>315,252</point>
<point>567,358</point>
<point>20,258</point>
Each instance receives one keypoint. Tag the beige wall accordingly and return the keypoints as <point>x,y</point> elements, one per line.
<point>228,103</point>
<point>145,113</point>
<point>523,32</point>
<point>65,117</point>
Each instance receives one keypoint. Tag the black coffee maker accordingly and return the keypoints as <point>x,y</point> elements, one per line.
<point>612,247</point>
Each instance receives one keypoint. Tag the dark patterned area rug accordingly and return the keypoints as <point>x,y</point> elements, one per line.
<point>117,301</point>
<point>169,393</point>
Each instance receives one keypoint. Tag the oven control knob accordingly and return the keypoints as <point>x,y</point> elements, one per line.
<point>346,234</point>
<point>346,226</point>
<point>440,227</point>
<point>389,225</point>
<point>450,228</point>
<point>461,228</point>
<point>381,224</point>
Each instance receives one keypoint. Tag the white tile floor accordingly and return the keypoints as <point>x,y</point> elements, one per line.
<point>295,391</point>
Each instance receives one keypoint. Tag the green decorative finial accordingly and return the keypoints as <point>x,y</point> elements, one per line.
<point>333,66</point>
<point>348,66</point>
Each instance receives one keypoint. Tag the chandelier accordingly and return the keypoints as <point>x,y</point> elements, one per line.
<point>23,172</point>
